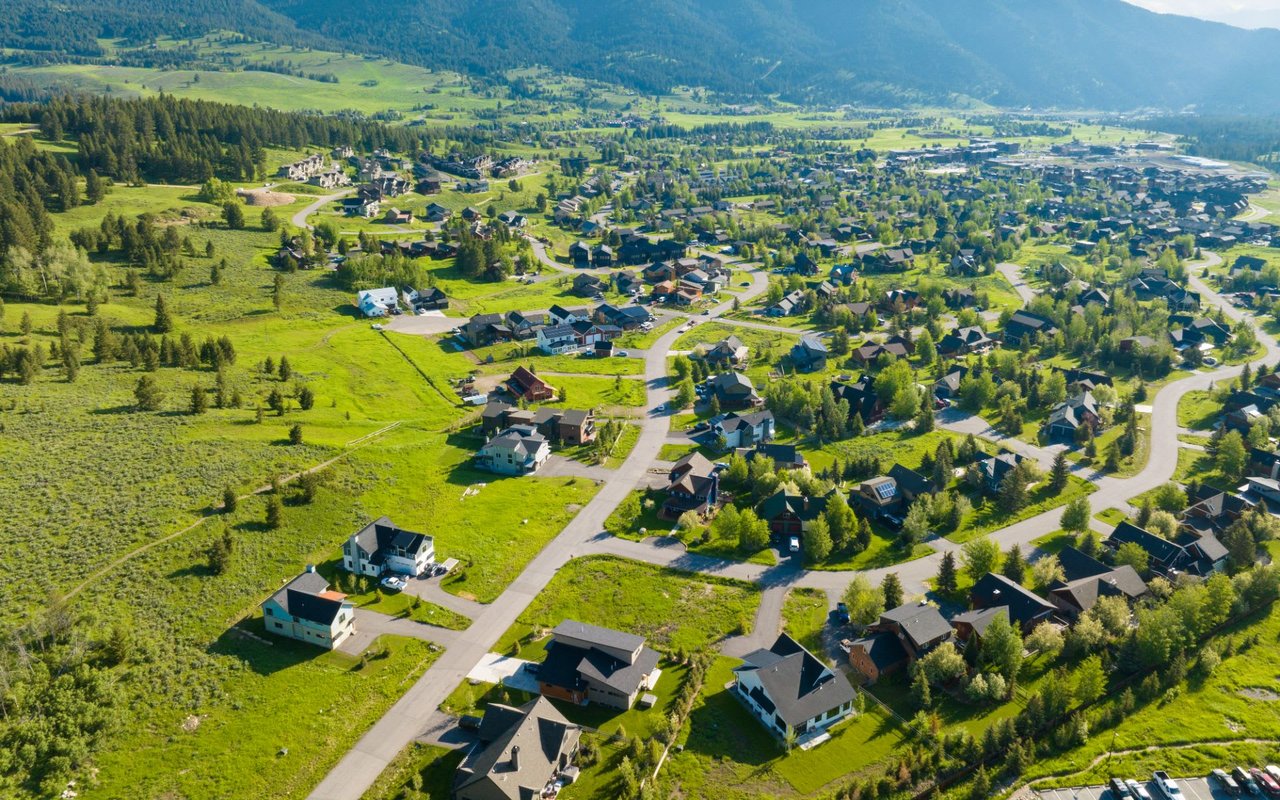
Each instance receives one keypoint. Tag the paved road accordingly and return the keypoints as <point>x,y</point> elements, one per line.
<point>370,625</point>
<point>1013,274</point>
<point>414,712</point>
<point>300,219</point>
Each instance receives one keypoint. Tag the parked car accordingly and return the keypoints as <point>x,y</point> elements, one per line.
<point>394,582</point>
<point>469,722</point>
<point>1269,784</point>
<point>1225,781</point>
<point>1167,786</point>
<point>1210,361</point>
<point>1138,791</point>
<point>1273,771</point>
<point>841,614</point>
<point>620,354</point>
<point>1119,791</point>
<point>1246,782</point>
<point>794,544</point>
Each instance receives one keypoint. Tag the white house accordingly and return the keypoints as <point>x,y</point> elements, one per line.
<point>377,302</point>
<point>791,691</point>
<point>518,450</point>
<point>305,609</point>
<point>381,547</point>
<point>744,430</point>
<point>556,339</point>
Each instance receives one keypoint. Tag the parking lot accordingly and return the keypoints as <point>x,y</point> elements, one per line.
<point>1192,789</point>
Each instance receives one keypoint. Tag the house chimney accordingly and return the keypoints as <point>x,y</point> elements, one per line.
<point>311,568</point>
<point>515,758</point>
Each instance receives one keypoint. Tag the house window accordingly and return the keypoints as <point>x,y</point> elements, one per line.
<point>279,625</point>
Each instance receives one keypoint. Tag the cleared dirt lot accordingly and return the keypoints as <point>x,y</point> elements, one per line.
<point>1192,789</point>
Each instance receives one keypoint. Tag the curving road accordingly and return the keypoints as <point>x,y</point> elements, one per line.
<point>584,535</point>
<point>299,219</point>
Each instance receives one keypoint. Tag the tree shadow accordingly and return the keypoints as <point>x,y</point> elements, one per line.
<point>264,653</point>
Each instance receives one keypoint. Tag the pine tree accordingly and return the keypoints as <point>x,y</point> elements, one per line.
<point>164,320</point>
<point>94,190</point>
<point>229,500</point>
<point>948,580</point>
<point>306,398</point>
<point>892,588</point>
<point>147,393</point>
<point>199,399</point>
<point>286,369</point>
<point>295,434</point>
<point>275,512</point>
<point>1059,473</point>
<point>1015,566</point>
<point>233,214</point>
<point>220,553</point>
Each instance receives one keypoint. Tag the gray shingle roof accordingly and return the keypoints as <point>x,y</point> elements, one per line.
<point>800,686</point>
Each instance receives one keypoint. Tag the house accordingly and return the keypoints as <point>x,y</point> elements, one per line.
<point>307,610</point>
<point>431,299</point>
<point>395,216</point>
<point>911,484</point>
<point>524,385</point>
<point>790,514</point>
<point>947,387</point>
<point>1027,325</point>
<point>517,450</point>
<point>1070,418</point>
<point>871,351</point>
<point>557,339</point>
<point>791,691</point>
<point>567,426</point>
<point>896,301</point>
<point>971,626</point>
<point>791,304</point>
<point>580,253</point>
<point>810,354</point>
<point>382,546</point>
<point>783,456</point>
<point>625,317</point>
<point>993,470</point>
<point>861,397</point>
<point>958,298</point>
<point>589,664</point>
<point>1026,608</point>
<point>692,485</point>
<point>744,430</point>
<point>518,753</point>
<point>963,341</point>
<point>1200,555</point>
<point>734,390</point>
<point>588,285</point>
<point>1212,510</point>
<point>918,626</point>
<point>485,329</point>
<point>1087,580</point>
<point>879,498</point>
<point>729,351</point>
<point>523,326</point>
<point>378,302</point>
<point>877,655</point>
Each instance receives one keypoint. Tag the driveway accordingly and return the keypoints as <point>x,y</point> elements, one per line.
<point>433,323</point>
<point>562,467</point>
<point>370,625</point>
<point>1192,789</point>
<point>429,589</point>
<point>1013,274</point>
<point>513,673</point>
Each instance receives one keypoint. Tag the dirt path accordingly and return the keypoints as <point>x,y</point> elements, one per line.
<point>352,446</point>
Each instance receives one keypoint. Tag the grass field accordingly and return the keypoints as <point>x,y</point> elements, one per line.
<point>1194,729</point>
<point>673,610</point>
<point>727,753</point>
<point>804,616</point>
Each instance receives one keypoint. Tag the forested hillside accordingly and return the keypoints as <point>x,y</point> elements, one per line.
<point>1103,54</point>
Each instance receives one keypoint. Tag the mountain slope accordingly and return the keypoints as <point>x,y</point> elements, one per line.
<point>1102,54</point>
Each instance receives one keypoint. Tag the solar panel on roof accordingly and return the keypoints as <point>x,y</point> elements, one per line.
<point>886,490</point>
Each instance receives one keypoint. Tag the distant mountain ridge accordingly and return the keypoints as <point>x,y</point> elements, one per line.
<point>1095,54</point>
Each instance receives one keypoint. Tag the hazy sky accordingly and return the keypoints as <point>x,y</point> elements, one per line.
<point>1246,13</point>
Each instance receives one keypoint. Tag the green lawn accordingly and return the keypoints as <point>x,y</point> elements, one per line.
<point>239,749</point>
<point>434,766</point>
<point>988,517</point>
<point>727,753</point>
<point>1216,710</point>
<point>804,616</point>
<point>1055,542</point>
<point>393,604</point>
<point>674,610</point>
<point>1199,410</point>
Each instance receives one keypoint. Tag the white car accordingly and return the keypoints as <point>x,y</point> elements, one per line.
<point>394,582</point>
<point>1138,791</point>
<point>794,544</point>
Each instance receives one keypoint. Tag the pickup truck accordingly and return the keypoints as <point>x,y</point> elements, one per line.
<point>1167,787</point>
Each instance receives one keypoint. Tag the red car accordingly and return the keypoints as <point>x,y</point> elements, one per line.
<point>1268,783</point>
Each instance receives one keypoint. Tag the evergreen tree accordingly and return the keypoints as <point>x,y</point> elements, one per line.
<point>1015,566</point>
<point>94,190</point>
<point>286,369</point>
<point>306,398</point>
<point>275,512</point>
<point>229,500</point>
<point>295,434</point>
<point>948,580</point>
<point>220,553</point>
<point>1058,475</point>
<point>892,588</point>
<point>199,399</point>
<point>164,320</point>
<point>233,215</point>
<point>148,394</point>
